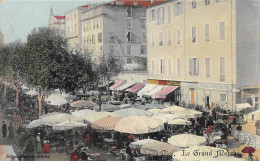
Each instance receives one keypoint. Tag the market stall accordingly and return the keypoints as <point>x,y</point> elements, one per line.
<point>187,140</point>
<point>132,112</point>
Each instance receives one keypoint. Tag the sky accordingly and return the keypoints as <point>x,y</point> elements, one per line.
<point>19,17</point>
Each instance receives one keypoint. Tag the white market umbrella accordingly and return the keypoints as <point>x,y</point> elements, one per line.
<point>139,125</point>
<point>197,153</point>
<point>132,112</point>
<point>60,101</point>
<point>80,113</point>
<point>187,140</point>
<point>32,92</point>
<point>165,117</point>
<point>68,125</point>
<point>154,111</point>
<point>140,143</point>
<point>94,116</point>
<point>82,103</point>
<point>158,148</point>
<point>58,118</point>
<point>179,122</point>
<point>34,124</point>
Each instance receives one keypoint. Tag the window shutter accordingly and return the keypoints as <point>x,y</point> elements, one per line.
<point>197,66</point>
<point>191,66</point>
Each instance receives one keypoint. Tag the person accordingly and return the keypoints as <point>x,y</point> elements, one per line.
<point>214,114</point>
<point>46,147</point>
<point>250,157</point>
<point>239,128</point>
<point>128,152</point>
<point>87,139</point>
<point>11,130</point>
<point>84,155</point>
<point>74,156</point>
<point>210,122</point>
<point>28,153</point>
<point>38,139</point>
<point>4,129</point>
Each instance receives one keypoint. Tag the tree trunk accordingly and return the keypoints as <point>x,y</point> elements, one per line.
<point>108,80</point>
<point>17,97</point>
<point>40,94</point>
<point>5,90</point>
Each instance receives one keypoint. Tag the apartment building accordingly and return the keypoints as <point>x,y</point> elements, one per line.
<point>57,22</point>
<point>117,28</point>
<point>210,48</point>
<point>73,26</point>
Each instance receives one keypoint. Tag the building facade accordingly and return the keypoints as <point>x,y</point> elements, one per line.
<point>73,26</point>
<point>1,39</point>
<point>117,28</point>
<point>202,44</point>
<point>57,22</point>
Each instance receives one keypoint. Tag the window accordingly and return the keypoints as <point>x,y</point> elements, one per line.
<point>178,8</point>
<point>178,37</point>
<point>169,66</point>
<point>194,66</point>
<point>223,97</point>
<point>207,65</point>
<point>129,60</point>
<point>160,38</point>
<point>112,49</point>
<point>143,49</point>
<point>193,4</point>
<point>178,66</point>
<point>162,66</point>
<point>160,16</point>
<point>101,23</point>
<point>169,37</point>
<point>152,14</point>
<point>93,39</point>
<point>143,23</point>
<point>129,49</point>
<point>129,23</point>
<point>129,11</point>
<point>222,67</point>
<point>100,37</point>
<point>206,32</point>
<point>129,37</point>
<point>144,36</point>
<point>153,66</point>
<point>153,39</point>
<point>217,1</point>
<point>75,28</point>
<point>221,30</point>
<point>193,34</point>
<point>207,2</point>
<point>169,14</point>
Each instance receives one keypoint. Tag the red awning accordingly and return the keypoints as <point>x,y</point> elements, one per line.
<point>117,84</point>
<point>136,87</point>
<point>165,91</point>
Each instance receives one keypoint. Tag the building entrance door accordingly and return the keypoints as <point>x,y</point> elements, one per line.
<point>207,102</point>
<point>192,93</point>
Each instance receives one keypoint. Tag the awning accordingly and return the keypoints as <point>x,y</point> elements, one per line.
<point>124,86</point>
<point>136,87</point>
<point>154,91</point>
<point>165,91</point>
<point>117,84</point>
<point>146,89</point>
<point>240,107</point>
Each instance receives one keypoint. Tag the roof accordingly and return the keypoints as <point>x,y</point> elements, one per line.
<point>142,3</point>
<point>84,6</point>
<point>60,17</point>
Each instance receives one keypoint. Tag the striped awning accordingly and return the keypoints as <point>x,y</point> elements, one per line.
<point>136,87</point>
<point>117,84</point>
<point>165,91</point>
<point>106,123</point>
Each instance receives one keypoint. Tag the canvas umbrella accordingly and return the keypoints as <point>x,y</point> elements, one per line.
<point>132,112</point>
<point>58,101</point>
<point>139,125</point>
<point>68,125</point>
<point>106,123</point>
<point>179,122</point>
<point>248,150</point>
<point>50,114</point>
<point>82,104</point>
<point>34,124</point>
<point>158,148</point>
<point>140,143</point>
<point>32,92</point>
<point>143,107</point>
<point>197,153</point>
<point>93,116</point>
<point>152,106</point>
<point>187,140</point>
<point>81,113</point>
<point>165,117</point>
<point>58,118</point>
<point>154,111</point>
<point>108,107</point>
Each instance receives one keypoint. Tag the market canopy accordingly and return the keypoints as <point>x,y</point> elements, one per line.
<point>139,125</point>
<point>205,151</point>
<point>32,92</point>
<point>124,86</point>
<point>146,89</point>
<point>7,153</point>
<point>158,149</point>
<point>187,140</point>
<point>136,87</point>
<point>165,91</point>
<point>165,117</point>
<point>240,107</point>
<point>117,84</point>
<point>68,125</point>
<point>107,107</point>
<point>154,111</point>
<point>58,118</point>
<point>82,104</point>
<point>152,106</point>
<point>172,109</point>
<point>140,143</point>
<point>94,116</point>
<point>80,113</point>
<point>179,122</point>
<point>35,123</point>
<point>132,112</point>
<point>154,91</point>
<point>106,123</point>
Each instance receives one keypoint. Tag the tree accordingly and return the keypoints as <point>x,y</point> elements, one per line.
<point>109,66</point>
<point>12,66</point>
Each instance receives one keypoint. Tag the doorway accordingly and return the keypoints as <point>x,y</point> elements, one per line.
<point>207,102</point>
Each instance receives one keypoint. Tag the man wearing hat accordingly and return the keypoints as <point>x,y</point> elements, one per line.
<point>4,129</point>
<point>38,139</point>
